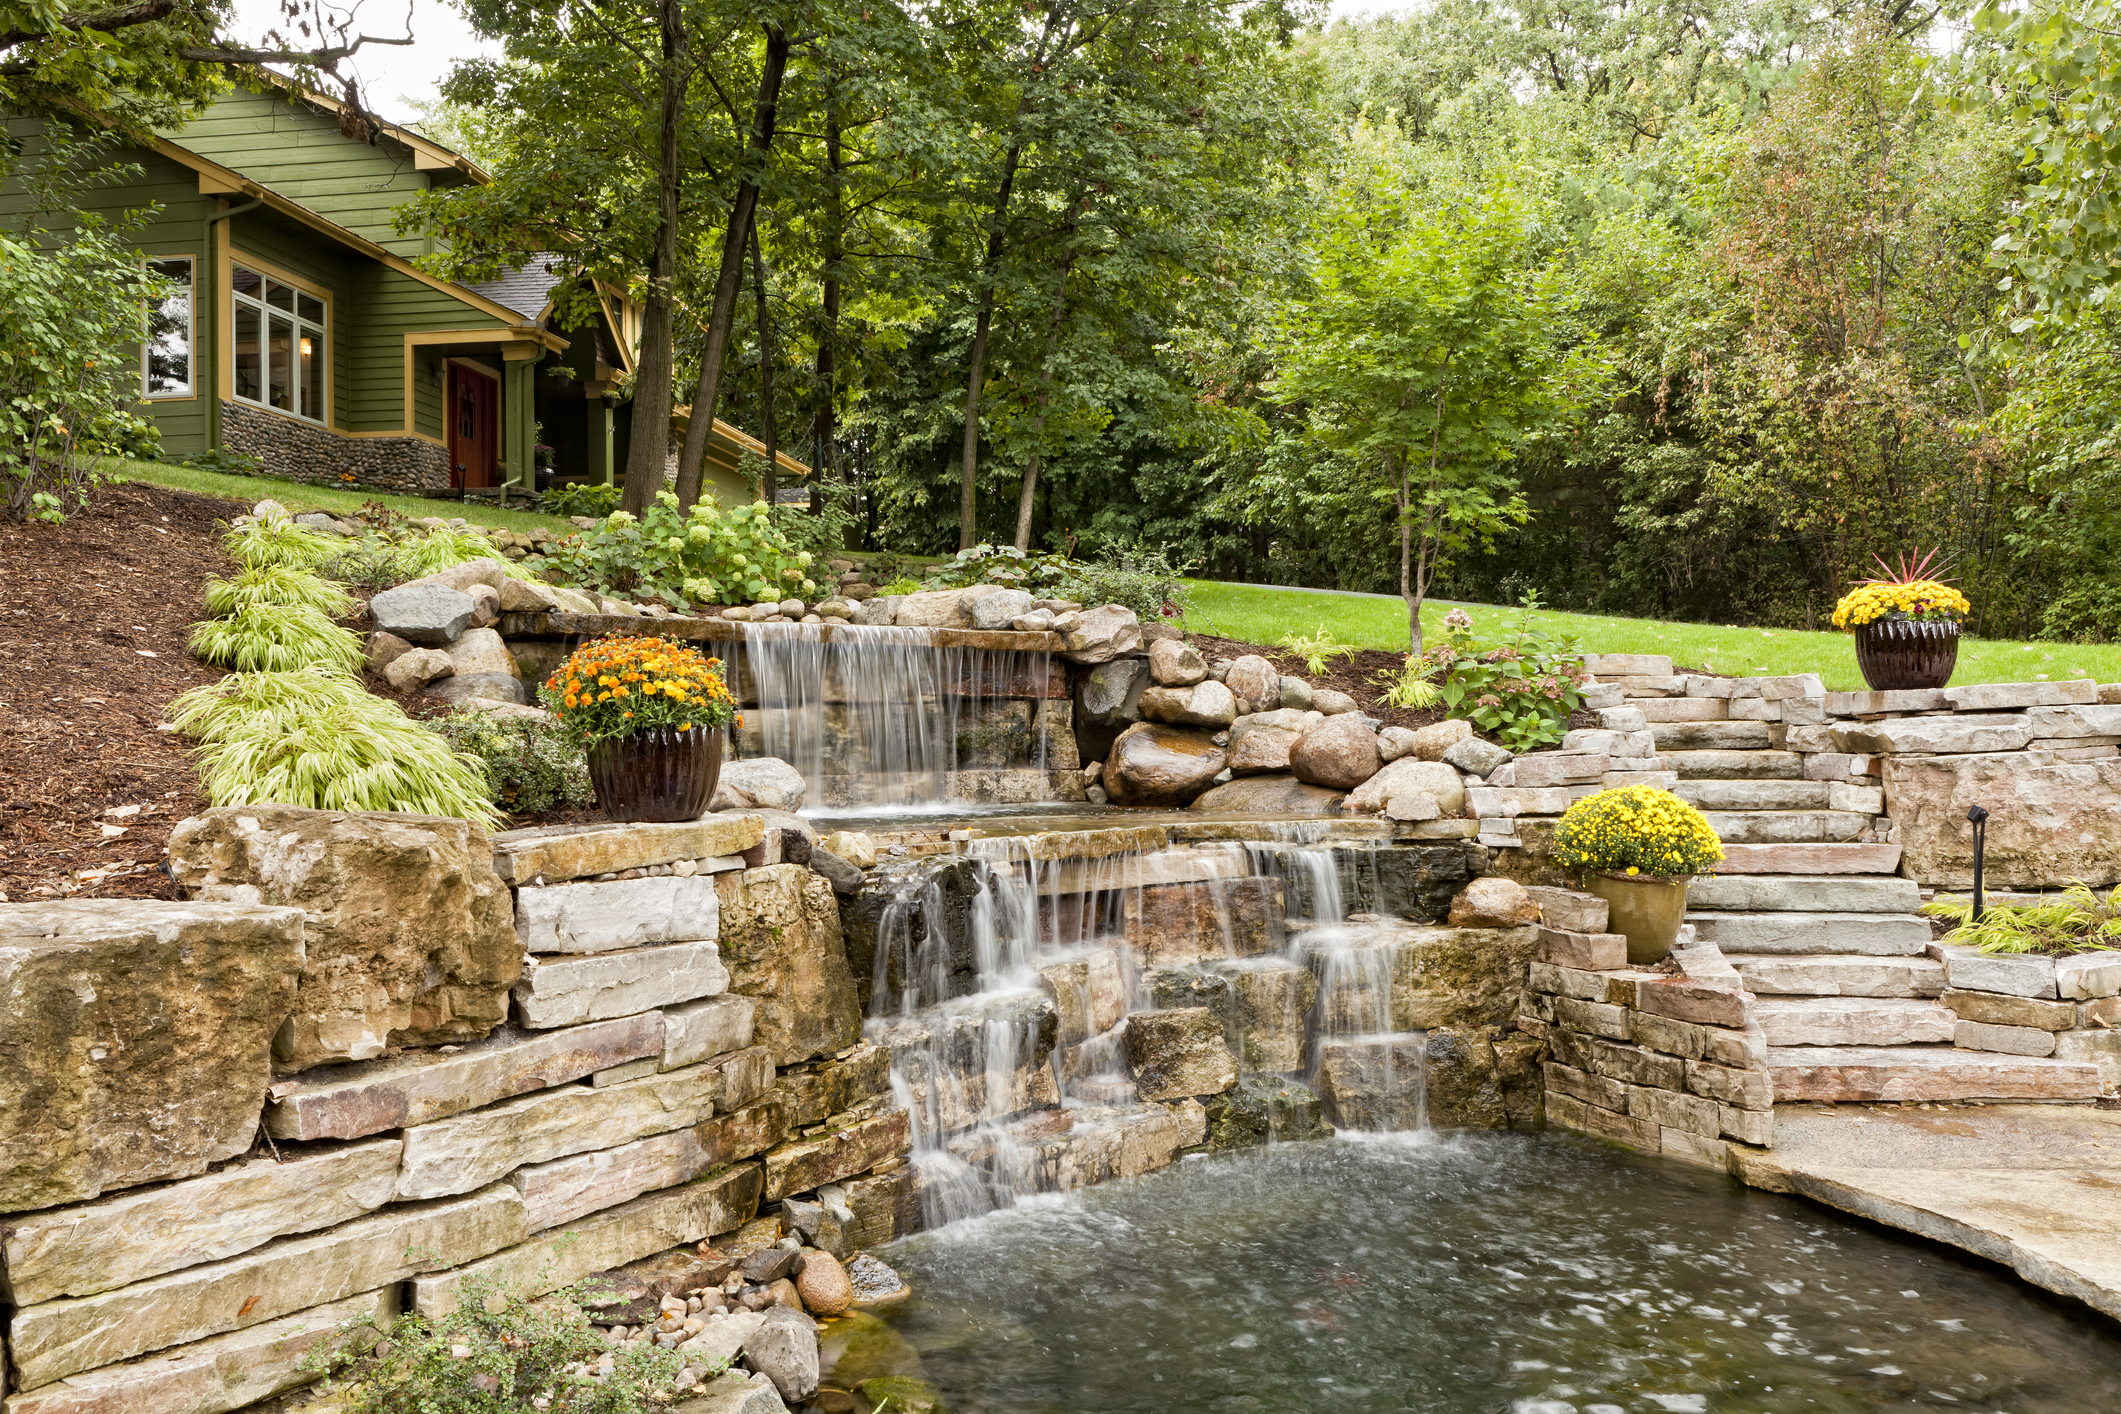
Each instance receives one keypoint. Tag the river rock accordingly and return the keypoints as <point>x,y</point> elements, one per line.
<point>1433,740</point>
<point>422,613</point>
<point>414,669</point>
<point>2048,825</point>
<point>1180,1052</point>
<point>1261,741</point>
<point>1296,693</point>
<point>1410,775</point>
<point>1340,752</point>
<point>823,1284</point>
<point>380,650</point>
<point>1206,704</point>
<point>1395,742</point>
<point>1101,635</point>
<point>930,608</point>
<point>782,943</point>
<point>784,1349</point>
<point>408,939</point>
<point>482,652</point>
<point>759,782</point>
<point>509,689</point>
<point>1256,681</point>
<point>135,1039</point>
<point>1176,663</point>
<point>1332,703</point>
<point>994,608</point>
<point>1269,795</point>
<point>1476,757</point>
<point>1154,764</point>
<point>1493,903</point>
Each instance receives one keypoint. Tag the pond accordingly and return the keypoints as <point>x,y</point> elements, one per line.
<point>1516,1273</point>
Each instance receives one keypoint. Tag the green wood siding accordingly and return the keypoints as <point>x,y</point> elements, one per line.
<point>393,305</point>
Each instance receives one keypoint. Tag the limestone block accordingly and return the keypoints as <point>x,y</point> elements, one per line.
<point>1271,1000</point>
<point>1689,1113</point>
<point>1996,1009</point>
<point>2014,974</point>
<point>2104,1012</point>
<point>2098,1048</point>
<point>567,991</point>
<point>1178,1052</point>
<point>1975,733</point>
<point>1489,802</point>
<point>559,1256</point>
<point>1674,1038</point>
<point>782,942</point>
<point>1617,1060</point>
<point>1373,1082</point>
<point>1573,1113</point>
<point>2088,975</point>
<point>1596,742</point>
<point>1867,1074</point>
<point>557,853</point>
<point>567,1189</point>
<point>702,1030</point>
<point>1685,1000</point>
<point>1558,768</point>
<point>1741,1050</point>
<point>347,1102</point>
<point>1583,1086</point>
<point>1747,1089</point>
<point>1409,776</point>
<point>1628,665</point>
<point>407,939</point>
<point>80,1251</point>
<point>803,1164</point>
<point>2004,696</point>
<point>135,1039</point>
<point>1205,704</point>
<point>60,1338</point>
<point>1842,976</point>
<point>222,1372</point>
<point>1569,909</point>
<point>625,913</point>
<point>2049,824</point>
<point>2010,1040</point>
<point>1747,1126</point>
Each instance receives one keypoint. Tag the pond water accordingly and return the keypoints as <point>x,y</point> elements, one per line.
<point>1509,1272</point>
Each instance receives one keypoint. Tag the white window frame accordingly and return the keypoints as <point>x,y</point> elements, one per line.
<point>191,333</point>
<point>266,313</point>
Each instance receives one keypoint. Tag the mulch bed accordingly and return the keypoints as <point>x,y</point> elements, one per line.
<point>94,617</point>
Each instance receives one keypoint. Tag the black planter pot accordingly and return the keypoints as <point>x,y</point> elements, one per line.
<point>1908,653</point>
<point>660,774</point>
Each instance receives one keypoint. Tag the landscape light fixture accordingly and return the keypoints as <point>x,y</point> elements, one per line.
<point>1979,817</point>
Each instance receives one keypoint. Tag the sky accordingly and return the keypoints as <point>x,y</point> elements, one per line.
<point>393,74</point>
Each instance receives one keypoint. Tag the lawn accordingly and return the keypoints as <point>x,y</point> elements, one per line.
<point>299,496</point>
<point>1257,614</point>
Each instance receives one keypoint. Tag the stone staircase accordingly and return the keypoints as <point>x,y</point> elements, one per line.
<point>1810,910</point>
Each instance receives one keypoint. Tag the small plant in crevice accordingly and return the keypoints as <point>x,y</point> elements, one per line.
<point>1318,649</point>
<point>1521,689</point>
<point>2074,921</point>
<point>531,765</point>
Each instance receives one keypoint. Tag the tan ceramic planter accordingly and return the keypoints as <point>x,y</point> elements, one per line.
<point>1647,911</point>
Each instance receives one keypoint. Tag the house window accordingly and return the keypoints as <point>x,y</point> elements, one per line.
<point>280,347</point>
<point>165,352</point>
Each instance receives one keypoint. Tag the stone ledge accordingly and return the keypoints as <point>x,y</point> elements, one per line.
<point>561,625</point>
<point>558,853</point>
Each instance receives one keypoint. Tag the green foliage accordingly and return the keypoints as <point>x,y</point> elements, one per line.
<point>275,638</point>
<point>445,545</point>
<point>276,541</point>
<point>901,585</point>
<point>518,1356</point>
<point>1408,690</point>
<point>1142,579</point>
<point>279,585</point>
<point>531,765</point>
<point>1520,689</point>
<point>224,461</point>
<point>371,562</point>
<point>588,498</point>
<point>314,738</point>
<point>712,556</point>
<point>2075,922</point>
<point>1316,648</point>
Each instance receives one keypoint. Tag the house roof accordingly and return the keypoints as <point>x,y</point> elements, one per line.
<point>524,289</point>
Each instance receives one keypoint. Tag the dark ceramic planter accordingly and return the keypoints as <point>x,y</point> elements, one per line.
<point>1908,653</point>
<point>660,774</point>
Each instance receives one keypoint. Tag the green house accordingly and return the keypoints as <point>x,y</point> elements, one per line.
<point>303,332</point>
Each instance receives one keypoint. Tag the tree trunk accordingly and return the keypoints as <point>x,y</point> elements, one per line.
<point>976,370</point>
<point>649,450</point>
<point>770,482</point>
<point>823,430</point>
<point>734,240</point>
<point>1026,498</point>
<point>1396,468</point>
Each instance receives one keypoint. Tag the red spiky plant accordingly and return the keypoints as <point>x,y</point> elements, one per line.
<point>1911,569</point>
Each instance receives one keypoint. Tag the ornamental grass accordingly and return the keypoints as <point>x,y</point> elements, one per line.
<point>277,540</point>
<point>614,687</point>
<point>1637,831</point>
<point>278,585</point>
<point>2074,921</point>
<point>275,638</point>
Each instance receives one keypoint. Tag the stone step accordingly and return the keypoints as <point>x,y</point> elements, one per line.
<point>1753,795</point>
<point>1804,893</point>
<point>1853,1021</point>
<point>1786,826</point>
<point>1838,975</point>
<point>1808,858</point>
<point>1734,765</point>
<point>1711,736</point>
<point>1884,1073</point>
<point>1821,934</point>
<point>1682,709</point>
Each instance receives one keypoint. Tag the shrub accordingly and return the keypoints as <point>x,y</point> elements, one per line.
<point>592,498</point>
<point>2075,922</point>
<point>1140,579</point>
<point>267,541</point>
<point>281,586</point>
<point>275,638</point>
<point>712,556</point>
<point>1522,689</point>
<point>614,687</point>
<point>1637,830</point>
<point>902,585</point>
<point>371,562</point>
<point>531,765</point>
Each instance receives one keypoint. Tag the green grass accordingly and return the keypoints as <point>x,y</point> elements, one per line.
<point>1255,614</point>
<point>299,496</point>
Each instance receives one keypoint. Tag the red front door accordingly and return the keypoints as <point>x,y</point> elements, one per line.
<point>474,427</point>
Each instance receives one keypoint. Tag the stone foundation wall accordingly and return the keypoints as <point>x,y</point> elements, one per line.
<point>303,451</point>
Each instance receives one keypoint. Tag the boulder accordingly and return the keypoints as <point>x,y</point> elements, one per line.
<point>1153,764</point>
<point>1269,795</point>
<point>1296,693</point>
<point>138,1040</point>
<point>1476,757</point>
<point>759,782</point>
<point>781,941</point>
<point>1372,1082</point>
<point>480,652</point>
<point>784,1349</point>
<point>1410,775</point>
<point>410,936</point>
<point>490,572</point>
<point>1412,808</point>
<point>1395,742</point>
<point>995,608</point>
<point>1264,1109</point>
<point>857,847</point>
<point>1107,702</point>
<point>422,613</point>
<point>1173,662</point>
<point>1205,704</point>
<point>931,608</point>
<point>1100,635</point>
<point>415,668</point>
<point>383,649</point>
<point>1433,740</point>
<point>1326,700</point>
<point>1255,680</point>
<point>823,1284</point>
<point>1493,903</point>
<point>1180,1052</point>
<point>844,875</point>
<point>495,687</point>
<point>1340,752</point>
<point>879,611</point>
<point>2048,825</point>
<point>485,604</point>
<point>525,596</point>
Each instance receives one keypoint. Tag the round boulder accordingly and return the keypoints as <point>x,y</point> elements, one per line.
<point>1295,692</point>
<point>1154,764</point>
<point>1332,703</point>
<point>1394,742</point>
<point>1409,776</point>
<point>1493,903</point>
<point>1340,752</point>
<point>1255,680</point>
<point>1176,663</point>
<point>1433,740</point>
<point>1205,704</point>
<point>824,1286</point>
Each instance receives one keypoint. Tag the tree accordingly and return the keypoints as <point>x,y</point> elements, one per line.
<point>1429,357</point>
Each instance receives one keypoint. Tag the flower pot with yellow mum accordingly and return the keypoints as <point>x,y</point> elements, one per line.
<point>1906,625</point>
<point>1637,848</point>
<point>649,713</point>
